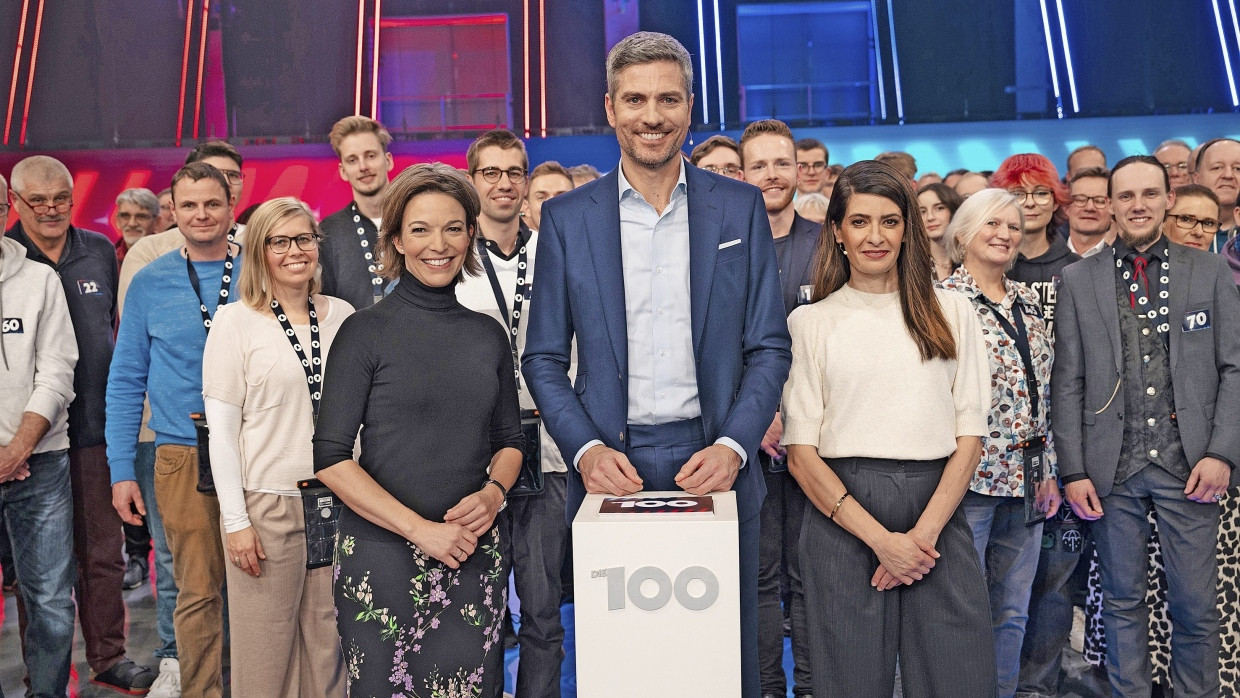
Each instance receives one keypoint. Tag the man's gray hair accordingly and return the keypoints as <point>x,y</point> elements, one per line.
<point>1172,142</point>
<point>139,196</point>
<point>39,168</point>
<point>648,47</point>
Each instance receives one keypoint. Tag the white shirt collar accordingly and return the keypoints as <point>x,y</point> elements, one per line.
<point>625,187</point>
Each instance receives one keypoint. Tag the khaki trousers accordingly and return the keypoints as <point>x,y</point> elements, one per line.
<point>283,622</point>
<point>192,524</point>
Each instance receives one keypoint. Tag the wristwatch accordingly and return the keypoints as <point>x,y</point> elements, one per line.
<point>503,490</point>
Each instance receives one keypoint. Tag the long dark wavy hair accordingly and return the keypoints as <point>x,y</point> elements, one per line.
<point>923,316</point>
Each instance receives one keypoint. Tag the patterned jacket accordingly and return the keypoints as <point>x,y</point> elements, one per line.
<point>1000,472</point>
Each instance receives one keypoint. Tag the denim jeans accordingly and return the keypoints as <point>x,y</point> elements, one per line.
<point>1008,550</point>
<point>39,514</point>
<point>165,583</point>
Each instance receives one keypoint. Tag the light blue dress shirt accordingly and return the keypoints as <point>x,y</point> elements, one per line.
<point>658,310</point>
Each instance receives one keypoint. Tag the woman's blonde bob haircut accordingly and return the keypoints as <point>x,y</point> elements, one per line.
<point>256,283</point>
<point>974,213</point>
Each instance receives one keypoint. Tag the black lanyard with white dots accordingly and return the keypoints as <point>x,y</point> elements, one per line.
<point>372,266</point>
<point>312,366</point>
<point>511,320</point>
<point>225,283</point>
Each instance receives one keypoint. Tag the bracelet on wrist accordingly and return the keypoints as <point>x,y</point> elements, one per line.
<point>839,503</point>
<point>502,490</point>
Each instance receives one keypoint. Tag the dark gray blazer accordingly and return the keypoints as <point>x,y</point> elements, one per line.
<point>1087,402</point>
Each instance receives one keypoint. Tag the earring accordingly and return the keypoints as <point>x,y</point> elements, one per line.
<point>840,243</point>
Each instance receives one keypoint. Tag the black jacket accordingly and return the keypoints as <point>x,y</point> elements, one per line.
<point>346,271</point>
<point>796,260</point>
<point>1042,274</point>
<point>89,275</point>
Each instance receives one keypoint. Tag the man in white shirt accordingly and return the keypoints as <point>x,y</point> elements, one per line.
<point>539,538</point>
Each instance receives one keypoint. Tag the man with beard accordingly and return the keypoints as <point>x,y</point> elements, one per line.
<point>508,251</point>
<point>137,212</point>
<point>666,276</point>
<point>347,253</point>
<point>768,158</point>
<point>1146,354</point>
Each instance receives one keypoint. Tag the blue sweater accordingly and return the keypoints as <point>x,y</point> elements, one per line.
<point>159,352</point>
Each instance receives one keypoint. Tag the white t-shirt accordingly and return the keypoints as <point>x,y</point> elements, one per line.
<point>249,362</point>
<point>475,293</point>
<point>859,388</point>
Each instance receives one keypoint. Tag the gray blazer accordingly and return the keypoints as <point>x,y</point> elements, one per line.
<point>1087,402</point>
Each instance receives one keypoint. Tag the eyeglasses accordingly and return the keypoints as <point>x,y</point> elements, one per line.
<point>1184,221</point>
<point>491,175</point>
<point>281,243</point>
<point>1041,197</point>
<point>61,203</point>
<point>1081,199</point>
<point>233,176</point>
<point>729,170</point>
<point>812,167</point>
<point>1174,167</point>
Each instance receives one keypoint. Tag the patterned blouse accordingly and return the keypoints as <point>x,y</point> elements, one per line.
<point>1000,472</point>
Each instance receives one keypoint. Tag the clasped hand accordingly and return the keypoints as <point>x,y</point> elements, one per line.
<point>454,540</point>
<point>903,558</point>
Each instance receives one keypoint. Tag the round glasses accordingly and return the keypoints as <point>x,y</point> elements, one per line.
<point>1041,197</point>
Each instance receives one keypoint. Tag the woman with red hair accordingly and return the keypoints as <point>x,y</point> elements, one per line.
<point>1044,251</point>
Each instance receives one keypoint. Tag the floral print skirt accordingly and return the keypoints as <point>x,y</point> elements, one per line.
<point>411,626</point>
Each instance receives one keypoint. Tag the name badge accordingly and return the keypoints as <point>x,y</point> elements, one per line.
<point>12,325</point>
<point>805,294</point>
<point>1197,320</point>
<point>87,287</point>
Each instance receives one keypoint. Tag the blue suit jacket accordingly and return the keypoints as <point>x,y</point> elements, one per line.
<point>740,335</point>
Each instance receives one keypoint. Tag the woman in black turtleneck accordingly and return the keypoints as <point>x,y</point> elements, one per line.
<point>420,582</point>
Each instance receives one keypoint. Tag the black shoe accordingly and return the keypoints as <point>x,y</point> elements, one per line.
<point>127,677</point>
<point>137,572</point>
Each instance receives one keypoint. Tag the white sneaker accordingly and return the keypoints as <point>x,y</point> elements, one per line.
<point>168,685</point>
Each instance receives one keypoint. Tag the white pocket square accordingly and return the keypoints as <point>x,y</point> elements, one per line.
<point>730,243</point>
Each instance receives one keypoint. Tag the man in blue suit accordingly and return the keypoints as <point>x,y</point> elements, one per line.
<point>666,276</point>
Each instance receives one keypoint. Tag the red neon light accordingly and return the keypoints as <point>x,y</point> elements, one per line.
<point>542,64</point>
<point>448,21</point>
<point>525,46</point>
<point>17,58</point>
<point>361,23</point>
<point>374,70</point>
<point>202,57</point>
<point>189,19</point>
<point>34,58</point>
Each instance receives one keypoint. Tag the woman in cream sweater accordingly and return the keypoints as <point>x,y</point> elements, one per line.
<point>883,413</point>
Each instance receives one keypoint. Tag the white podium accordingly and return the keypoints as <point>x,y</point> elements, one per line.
<point>657,596</point>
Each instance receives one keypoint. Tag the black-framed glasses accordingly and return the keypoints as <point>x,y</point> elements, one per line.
<point>812,167</point>
<point>61,203</point>
<point>1041,197</point>
<point>281,243</point>
<point>727,170</point>
<point>233,176</point>
<point>1184,221</point>
<point>1081,199</point>
<point>491,175</point>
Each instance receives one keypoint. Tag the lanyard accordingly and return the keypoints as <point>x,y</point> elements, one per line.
<point>225,282</point>
<point>312,366</point>
<point>376,278</point>
<point>511,320</point>
<point>1020,337</point>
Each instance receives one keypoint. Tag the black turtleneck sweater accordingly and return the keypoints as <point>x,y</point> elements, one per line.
<point>429,383</point>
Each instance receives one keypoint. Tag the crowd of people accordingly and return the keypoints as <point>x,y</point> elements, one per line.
<point>951,408</point>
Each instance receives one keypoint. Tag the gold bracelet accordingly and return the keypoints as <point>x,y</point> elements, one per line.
<point>838,504</point>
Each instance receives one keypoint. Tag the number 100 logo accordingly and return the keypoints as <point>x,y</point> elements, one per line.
<point>619,588</point>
